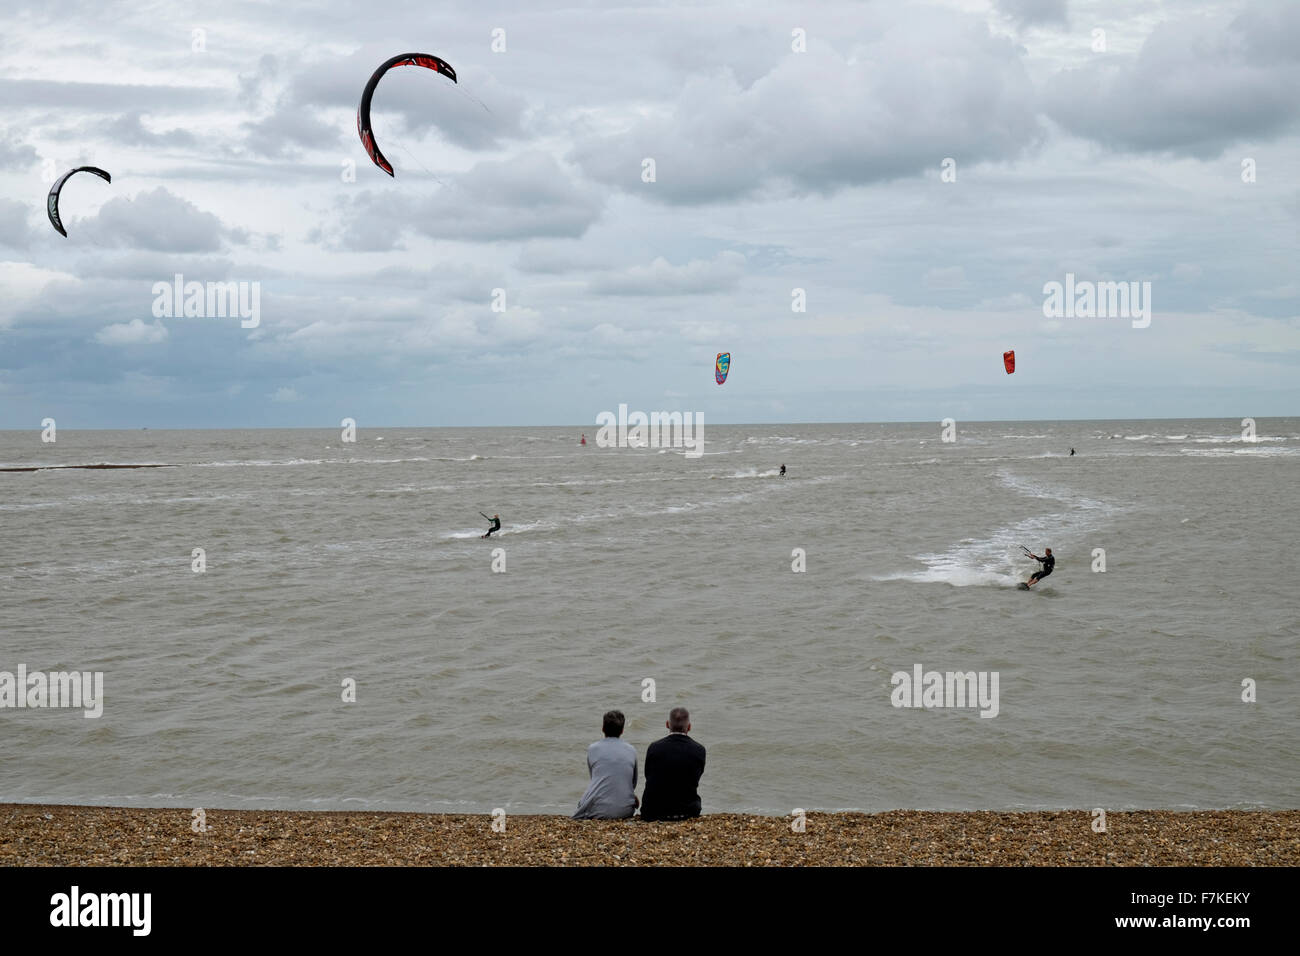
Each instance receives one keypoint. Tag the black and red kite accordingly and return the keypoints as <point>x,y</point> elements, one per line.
<point>426,60</point>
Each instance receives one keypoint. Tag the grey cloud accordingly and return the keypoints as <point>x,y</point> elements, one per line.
<point>1195,88</point>
<point>292,124</point>
<point>521,198</point>
<point>151,267</point>
<point>372,222</point>
<point>291,127</point>
<point>1035,12</point>
<point>698,277</point>
<point>527,196</point>
<point>247,170</point>
<point>558,256</point>
<point>159,221</point>
<point>15,154</point>
<point>15,229</point>
<point>135,332</point>
<point>730,114</point>
<point>129,130</point>
<point>449,281</point>
<point>251,84</point>
<point>821,121</point>
<point>66,95</point>
<point>747,51</point>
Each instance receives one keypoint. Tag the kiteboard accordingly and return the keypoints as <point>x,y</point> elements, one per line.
<point>1022,586</point>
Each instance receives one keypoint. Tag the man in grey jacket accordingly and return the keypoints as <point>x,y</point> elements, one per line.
<point>611,795</point>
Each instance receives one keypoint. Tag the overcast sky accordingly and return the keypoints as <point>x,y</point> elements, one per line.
<point>794,147</point>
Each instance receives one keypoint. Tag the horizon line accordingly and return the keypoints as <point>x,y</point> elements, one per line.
<point>917,421</point>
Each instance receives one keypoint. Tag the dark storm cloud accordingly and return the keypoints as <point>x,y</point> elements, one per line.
<point>1195,88</point>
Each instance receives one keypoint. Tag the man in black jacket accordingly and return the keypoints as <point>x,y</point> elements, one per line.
<point>1048,562</point>
<point>673,767</point>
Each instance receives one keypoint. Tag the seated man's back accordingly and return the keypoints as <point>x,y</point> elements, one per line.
<point>673,767</point>
<point>611,795</point>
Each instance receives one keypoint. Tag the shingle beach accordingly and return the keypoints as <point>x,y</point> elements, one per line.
<point>38,835</point>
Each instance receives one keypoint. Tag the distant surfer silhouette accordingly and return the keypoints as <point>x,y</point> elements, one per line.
<point>1048,563</point>
<point>584,441</point>
<point>1071,452</point>
<point>496,525</point>
<point>783,471</point>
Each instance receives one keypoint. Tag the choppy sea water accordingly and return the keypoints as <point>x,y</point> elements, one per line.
<point>475,689</point>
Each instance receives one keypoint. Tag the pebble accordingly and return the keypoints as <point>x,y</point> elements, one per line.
<point>93,836</point>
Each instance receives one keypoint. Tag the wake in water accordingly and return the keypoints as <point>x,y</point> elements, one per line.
<point>751,473</point>
<point>957,568</point>
<point>99,467</point>
<point>997,561</point>
<point>505,529</point>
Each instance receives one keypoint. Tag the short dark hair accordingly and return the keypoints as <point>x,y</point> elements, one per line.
<point>679,718</point>
<point>613,723</point>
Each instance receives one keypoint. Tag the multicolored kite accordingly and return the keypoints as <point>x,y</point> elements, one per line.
<point>721,367</point>
<point>1009,360</point>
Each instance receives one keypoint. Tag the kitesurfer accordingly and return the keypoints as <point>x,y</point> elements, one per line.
<point>1048,563</point>
<point>1071,452</point>
<point>496,526</point>
<point>783,471</point>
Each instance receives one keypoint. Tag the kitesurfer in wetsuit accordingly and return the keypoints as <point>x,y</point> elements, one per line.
<point>1049,563</point>
<point>783,471</point>
<point>496,526</point>
<point>1071,451</point>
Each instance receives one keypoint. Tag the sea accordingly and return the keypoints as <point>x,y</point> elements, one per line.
<point>287,620</point>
